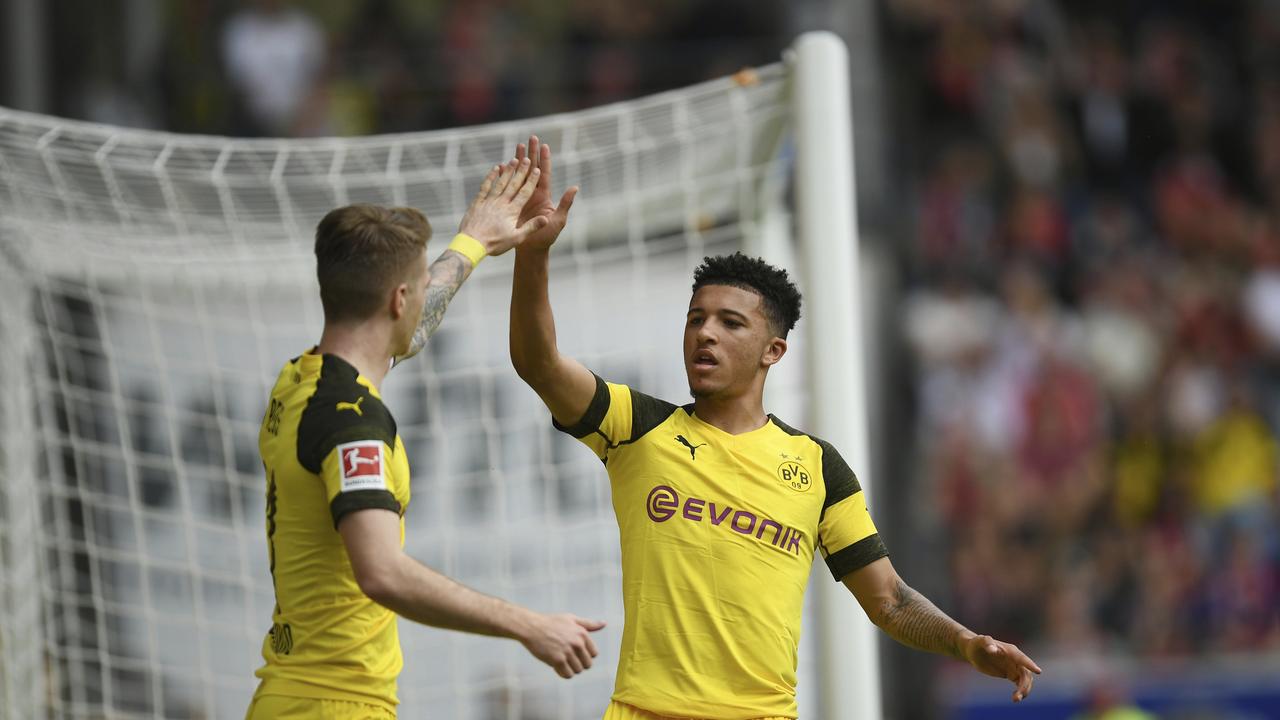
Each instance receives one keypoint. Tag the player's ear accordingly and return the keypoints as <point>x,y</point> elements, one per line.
<point>399,300</point>
<point>773,352</point>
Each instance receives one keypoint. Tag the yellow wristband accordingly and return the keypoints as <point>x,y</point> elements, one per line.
<point>468,247</point>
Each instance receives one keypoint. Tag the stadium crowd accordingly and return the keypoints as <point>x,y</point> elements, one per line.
<point>1094,314</point>
<point>335,67</point>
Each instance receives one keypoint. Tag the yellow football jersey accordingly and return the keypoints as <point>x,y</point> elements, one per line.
<point>718,534</point>
<point>329,447</point>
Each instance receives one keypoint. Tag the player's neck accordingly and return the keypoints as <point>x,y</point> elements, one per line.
<point>734,415</point>
<point>363,346</point>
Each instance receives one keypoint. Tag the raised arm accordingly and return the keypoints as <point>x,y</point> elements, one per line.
<point>491,226</point>
<point>564,384</point>
<point>909,617</point>
<point>412,590</point>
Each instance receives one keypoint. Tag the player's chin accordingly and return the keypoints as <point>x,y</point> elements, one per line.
<point>700,387</point>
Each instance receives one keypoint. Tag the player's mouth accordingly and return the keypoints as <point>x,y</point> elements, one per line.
<point>704,360</point>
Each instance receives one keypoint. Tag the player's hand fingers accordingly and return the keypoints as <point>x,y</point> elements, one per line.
<point>504,178</point>
<point>1022,659</point>
<point>544,164</point>
<point>591,647</point>
<point>566,202</point>
<point>592,625</point>
<point>563,670</point>
<point>522,194</point>
<point>487,183</point>
<point>520,151</point>
<point>1024,685</point>
<point>530,227</point>
<point>1013,659</point>
<point>535,152</point>
<point>584,655</point>
<point>575,664</point>
<point>524,175</point>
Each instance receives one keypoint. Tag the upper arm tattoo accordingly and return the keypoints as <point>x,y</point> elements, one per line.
<point>911,619</point>
<point>448,273</point>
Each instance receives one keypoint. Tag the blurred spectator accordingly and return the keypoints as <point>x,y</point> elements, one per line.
<point>274,55</point>
<point>1094,311</point>
<point>288,68</point>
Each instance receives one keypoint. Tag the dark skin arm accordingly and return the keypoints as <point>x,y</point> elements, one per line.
<point>494,219</point>
<point>909,617</point>
<point>565,385</point>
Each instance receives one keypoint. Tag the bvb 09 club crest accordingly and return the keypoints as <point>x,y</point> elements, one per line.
<point>795,476</point>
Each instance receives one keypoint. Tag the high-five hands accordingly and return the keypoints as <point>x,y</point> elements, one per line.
<point>539,204</point>
<point>494,217</point>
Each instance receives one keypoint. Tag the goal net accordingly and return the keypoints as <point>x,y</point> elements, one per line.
<point>152,286</point>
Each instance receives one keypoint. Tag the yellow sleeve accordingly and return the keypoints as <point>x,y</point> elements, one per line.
<point>356,476</point>
<point>608,420</point>
<point>847,537</point>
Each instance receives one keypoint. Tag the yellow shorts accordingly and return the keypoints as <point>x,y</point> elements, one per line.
<point>623,711</point>
<point>281,707</point>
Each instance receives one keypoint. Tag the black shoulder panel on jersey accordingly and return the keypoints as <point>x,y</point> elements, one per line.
<point>340,410</point>
<point>591,419</point>
<point>648,413</point>
<point>836,473</point>
<point>856,556</point>
<point>347,502</point>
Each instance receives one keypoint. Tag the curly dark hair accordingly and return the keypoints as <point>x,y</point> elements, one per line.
<point>781,298</point>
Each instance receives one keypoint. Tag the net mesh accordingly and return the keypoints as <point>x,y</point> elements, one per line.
<point>153,284</point>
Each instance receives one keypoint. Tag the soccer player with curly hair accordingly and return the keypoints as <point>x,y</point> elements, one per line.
<point>721,507</point>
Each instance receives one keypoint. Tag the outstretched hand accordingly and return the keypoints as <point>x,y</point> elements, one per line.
<point>1002,660</point>
<point>539,204</point>
<point>494,216</point>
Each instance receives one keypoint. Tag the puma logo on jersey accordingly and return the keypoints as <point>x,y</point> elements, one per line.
<point>693,449</point>
<point>353,406</point>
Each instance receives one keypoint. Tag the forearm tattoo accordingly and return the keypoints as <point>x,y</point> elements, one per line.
<point>911,619</point>
<point>448,273</point>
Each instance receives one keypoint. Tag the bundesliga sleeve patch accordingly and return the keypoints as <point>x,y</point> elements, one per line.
<point>362,465</point>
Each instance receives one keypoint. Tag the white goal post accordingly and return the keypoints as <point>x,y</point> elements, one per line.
<point>151,284</point>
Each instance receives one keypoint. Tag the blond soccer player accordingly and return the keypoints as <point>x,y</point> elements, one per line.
<point>338,476</point>
<point>721,507</point>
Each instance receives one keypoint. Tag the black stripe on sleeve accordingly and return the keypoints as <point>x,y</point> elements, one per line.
<point>322,426</point>
<point>647,413</point>
<point>856,556</point>
<point>591,419</point>
<point>348,502</point>
<point>839,478</point>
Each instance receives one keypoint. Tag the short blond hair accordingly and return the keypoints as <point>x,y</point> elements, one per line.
<point>362,251</point>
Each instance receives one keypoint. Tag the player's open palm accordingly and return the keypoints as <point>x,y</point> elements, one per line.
<point>564,642</point>
<point>1002,660</point>
<point>539,205</point>
<point>494,215</point>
